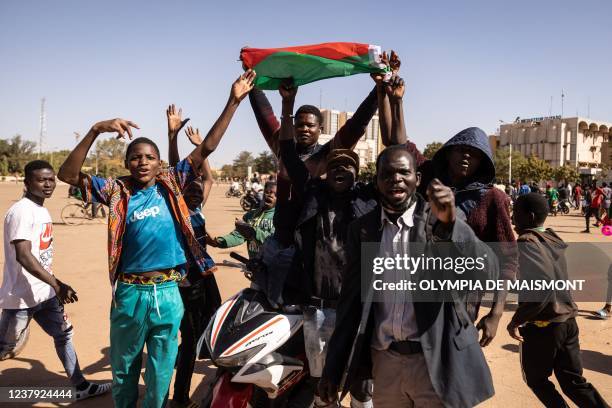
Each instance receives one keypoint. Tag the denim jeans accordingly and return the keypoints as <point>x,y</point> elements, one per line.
<point>319,326</point>
<point>51,317</point>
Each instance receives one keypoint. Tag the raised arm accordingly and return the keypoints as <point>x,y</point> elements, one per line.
<point>297,171</point>
<point>240,89</point>
<point>395,93</point>
<point>350,133</point>
<point>384,109</point>
<point>175,124</point>
<point>390,109</point>
<point>207,178</point>
<point>266,120</point>
<point>71,168</point>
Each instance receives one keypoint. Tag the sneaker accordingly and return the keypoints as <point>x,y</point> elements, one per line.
<point>92,390</point>
<point>6,354</point>
<point>586,231</point>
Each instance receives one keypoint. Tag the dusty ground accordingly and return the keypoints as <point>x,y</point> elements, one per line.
<point>80,260</point>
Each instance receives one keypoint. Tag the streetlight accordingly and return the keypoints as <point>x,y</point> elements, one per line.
<point>510,153</point>
<point>516,120</point>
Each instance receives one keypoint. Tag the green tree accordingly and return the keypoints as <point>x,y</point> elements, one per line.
<point>4,166</point>
<point>502,163</point>
<point>111,148</point>
<point>242,162</point>
<point>368,173</point>
<point>55,158</point>
<point>227,170</point>
<point>17,152</point>
<point>108,157</point>
<point>534,169</point>
<point>266,163</point>
<point>567,174</point>
<point>431,149</point>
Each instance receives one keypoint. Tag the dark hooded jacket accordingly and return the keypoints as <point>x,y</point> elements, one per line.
<point>486,207</point>
<point>472,192</point>
<point>321,230</point>
<point>542,258</point>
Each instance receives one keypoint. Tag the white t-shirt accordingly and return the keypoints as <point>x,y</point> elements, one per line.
<point>26,220</point>
<point>256,187</point>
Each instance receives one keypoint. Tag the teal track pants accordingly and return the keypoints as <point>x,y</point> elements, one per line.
<point>151,315</point>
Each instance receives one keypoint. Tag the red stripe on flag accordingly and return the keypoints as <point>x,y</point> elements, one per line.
<point>336,50</point>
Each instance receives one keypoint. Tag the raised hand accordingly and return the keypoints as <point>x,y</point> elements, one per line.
<point>394,62</point>
<point>243,85</point>
<point>395,88</point>
<point>378,77</point>
<point>115,125</point>
<point>175,121</point>
<point>442,201</point>
<point>194,136</point>
<point>287,90</point>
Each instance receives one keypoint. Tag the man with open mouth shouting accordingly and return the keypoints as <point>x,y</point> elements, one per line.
<point>151,239</point>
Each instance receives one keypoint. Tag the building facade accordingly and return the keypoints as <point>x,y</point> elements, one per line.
<point>494,142</point>
<point>367,147</point>
<point>577,141</point>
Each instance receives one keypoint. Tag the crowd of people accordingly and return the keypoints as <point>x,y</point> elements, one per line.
<point>309,230</point>
<point>591,198</point>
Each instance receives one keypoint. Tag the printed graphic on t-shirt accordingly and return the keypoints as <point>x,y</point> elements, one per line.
<point>148,212</point>
<point>46,246</point>
<point>264,225</point>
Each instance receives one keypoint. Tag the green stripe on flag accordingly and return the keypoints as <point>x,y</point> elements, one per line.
<point>304,68</point>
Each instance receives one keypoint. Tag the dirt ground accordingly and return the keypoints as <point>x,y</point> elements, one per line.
<point>80,260</point>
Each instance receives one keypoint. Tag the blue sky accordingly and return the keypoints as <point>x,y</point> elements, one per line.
<point>466,63</point>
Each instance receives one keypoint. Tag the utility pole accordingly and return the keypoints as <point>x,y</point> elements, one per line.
<point>509,151</point>
<point>43,127</point>
<point>510,166</point>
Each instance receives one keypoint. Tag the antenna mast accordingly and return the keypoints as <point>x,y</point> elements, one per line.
<point>562,97</point>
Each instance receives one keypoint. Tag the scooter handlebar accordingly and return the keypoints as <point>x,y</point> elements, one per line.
<point>238,257</point>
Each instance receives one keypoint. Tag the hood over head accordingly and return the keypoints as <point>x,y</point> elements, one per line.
<point>473,137</point>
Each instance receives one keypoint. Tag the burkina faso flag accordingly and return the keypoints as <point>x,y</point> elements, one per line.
<point>309,63</point>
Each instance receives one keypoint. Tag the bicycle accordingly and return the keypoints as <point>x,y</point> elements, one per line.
<point>77,212</point>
